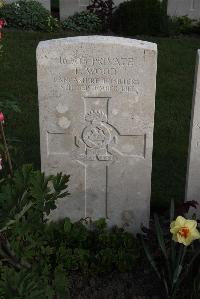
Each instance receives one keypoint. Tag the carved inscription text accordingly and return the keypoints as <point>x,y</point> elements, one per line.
<point>97,74</point>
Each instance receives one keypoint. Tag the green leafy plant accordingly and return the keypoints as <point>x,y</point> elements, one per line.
<point>28,14</point>
<point>196,27</point>
<point>181,25</point>
<point>83,22</point>
<point>97,249</point>
<point>8,104</point>
<point>2,25</point>
<point>175,259</point>
<point>74,247</point>
<point>29,187</point>
<point>20,285</point>
<point>50,251</point>
<point>31,284</point>
<point>24,198</point>
<point>103,9</point>
<point>140,17</point>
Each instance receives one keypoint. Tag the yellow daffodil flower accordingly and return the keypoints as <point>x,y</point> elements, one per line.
<point>184,230</point>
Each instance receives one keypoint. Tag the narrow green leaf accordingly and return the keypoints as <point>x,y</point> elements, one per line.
<point>160,236</point>
<point>172,211</point>
<point>150,258</point>
<point>173,254</point>
<point>166,285</point>
<point>177,273</point>
<point>67,225</point>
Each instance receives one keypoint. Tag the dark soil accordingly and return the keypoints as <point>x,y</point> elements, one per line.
<point>142,284</point>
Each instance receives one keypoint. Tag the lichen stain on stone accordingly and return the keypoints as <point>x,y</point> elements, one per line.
<point>62,108</point>
<point>64,122</point>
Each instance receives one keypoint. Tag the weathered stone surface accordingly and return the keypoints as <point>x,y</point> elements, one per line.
<point>191,8</point>
<point>70,7</point>
<point>45,3</point>
<point>96,102</point>
<point>193,173</point>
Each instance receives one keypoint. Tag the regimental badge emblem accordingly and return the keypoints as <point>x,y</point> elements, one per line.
<point>100,140</point>
<point>97,136</point>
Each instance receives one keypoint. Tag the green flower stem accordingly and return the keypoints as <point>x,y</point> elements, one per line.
<point>178,271</point>
<point>6,148</point>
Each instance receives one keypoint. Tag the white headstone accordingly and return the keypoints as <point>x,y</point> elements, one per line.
<point>70,7</point>
<point>193,173</point>
<point>190,8</point>
<point>45,3</point>
<point>96,103</point>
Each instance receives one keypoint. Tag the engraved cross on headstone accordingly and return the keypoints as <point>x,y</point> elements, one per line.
<point>100,144</point>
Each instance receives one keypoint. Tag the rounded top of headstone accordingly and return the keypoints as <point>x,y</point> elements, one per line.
<point>98,39</point>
